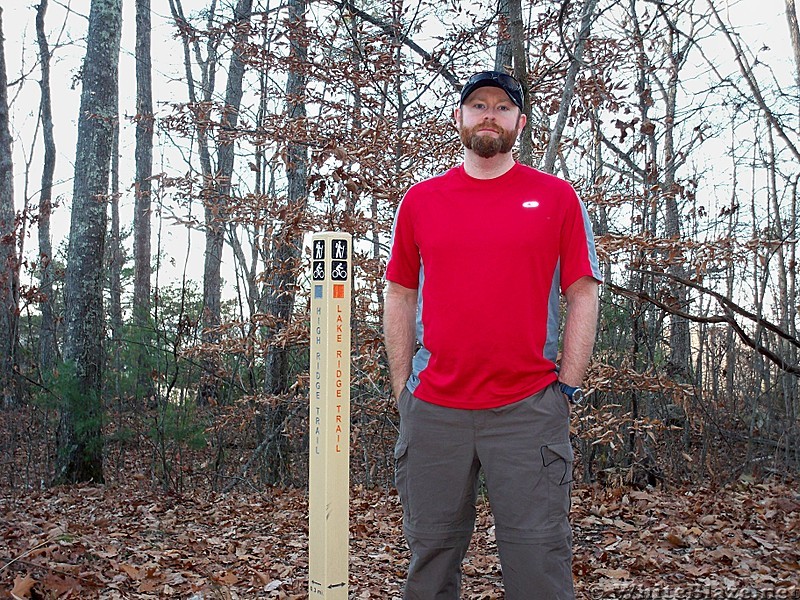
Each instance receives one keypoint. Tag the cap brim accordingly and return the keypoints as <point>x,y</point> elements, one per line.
<point>467,90</point>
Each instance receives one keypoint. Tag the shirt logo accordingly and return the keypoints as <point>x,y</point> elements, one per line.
<point>530,204</point>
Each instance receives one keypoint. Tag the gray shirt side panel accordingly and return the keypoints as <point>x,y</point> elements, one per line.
<point>553,316</point>
<point>423,356</point>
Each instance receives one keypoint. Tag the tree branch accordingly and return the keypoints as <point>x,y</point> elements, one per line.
<point>749,77</point>
<point>728,308</point>
<point>390,29</point>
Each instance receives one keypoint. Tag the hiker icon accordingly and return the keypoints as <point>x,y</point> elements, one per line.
<point>340,249</point>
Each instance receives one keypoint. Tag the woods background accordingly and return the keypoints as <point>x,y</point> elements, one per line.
<point>172,346</point>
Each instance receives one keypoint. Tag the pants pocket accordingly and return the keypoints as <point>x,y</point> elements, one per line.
<point>557,460</point>
<point>400,470</point>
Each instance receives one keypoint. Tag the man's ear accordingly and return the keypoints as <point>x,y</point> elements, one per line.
<point>523,118</point>
<point>457,114</point>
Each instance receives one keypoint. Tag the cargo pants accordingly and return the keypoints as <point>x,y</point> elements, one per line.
<point>525,454</point>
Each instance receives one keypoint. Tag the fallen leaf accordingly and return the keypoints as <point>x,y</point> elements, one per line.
<point>22,587</point>
<point>707,520</point>
<point>228,578</point>
<point>614,573</point>
<point>131,571</point>
<point>676,540</point>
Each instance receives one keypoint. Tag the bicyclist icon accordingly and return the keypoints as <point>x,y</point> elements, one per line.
<point>319,270</point>
<point>339,270</point>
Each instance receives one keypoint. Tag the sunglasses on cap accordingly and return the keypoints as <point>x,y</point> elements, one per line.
<point>494,79</point>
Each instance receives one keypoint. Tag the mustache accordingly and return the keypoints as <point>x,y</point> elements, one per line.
<point>490,127</point>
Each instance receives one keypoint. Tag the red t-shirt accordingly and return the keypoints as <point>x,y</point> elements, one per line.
<point>489,258</point>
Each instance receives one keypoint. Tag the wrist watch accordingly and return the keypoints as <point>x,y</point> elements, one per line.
<point>573,394</point>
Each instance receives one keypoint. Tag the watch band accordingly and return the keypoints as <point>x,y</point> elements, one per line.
<point>573,394</point>
<point>568,390</point>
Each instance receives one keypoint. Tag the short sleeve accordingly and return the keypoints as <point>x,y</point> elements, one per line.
<point>578,256</point>
<point>404,259</point>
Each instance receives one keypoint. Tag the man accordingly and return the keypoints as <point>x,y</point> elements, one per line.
<point>479,256</point>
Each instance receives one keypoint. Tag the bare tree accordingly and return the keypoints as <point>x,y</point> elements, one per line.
<point>116,257</point>
<point>285,258</point>
<point>48,348</point>
<point>794,35</point>
<point>80,440</point>
<point>679,37</point>
<point>9,282</point>
<point>519,54</point>
<point>217,196</point>
<point>143,191</point>
<point>792,303</point>
<point>784,133</point>
<point>503,56</point>
<point>575,54</point>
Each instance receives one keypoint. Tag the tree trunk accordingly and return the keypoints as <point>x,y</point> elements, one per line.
<point>115,255</point>
<point>519,53</point>
<point>287,249</point>
<point>9,283</point>
<point>761,374</point>
<point>207,69</point>
<point>215,203</point>
<point>792,398</point>
<point>503,57</point>
<point>143,190</point>
<point>80,441</point>
<point>679,333</point>
<point>48,346</point>
<point>575,63</point>
<point>794,35</point>
<point>786,303</point>
<point>731,348</point>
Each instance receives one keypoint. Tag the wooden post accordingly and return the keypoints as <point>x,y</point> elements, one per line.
<point>329,419</point>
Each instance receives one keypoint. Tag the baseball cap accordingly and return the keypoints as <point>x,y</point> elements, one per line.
<point>495,79</point>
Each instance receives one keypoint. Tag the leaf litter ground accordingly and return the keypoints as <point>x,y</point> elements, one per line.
<point>131,541</point>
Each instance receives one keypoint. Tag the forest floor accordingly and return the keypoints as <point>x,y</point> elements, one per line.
<point>133,541</point>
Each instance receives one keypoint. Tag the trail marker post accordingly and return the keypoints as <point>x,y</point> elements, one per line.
<point>329,418</point>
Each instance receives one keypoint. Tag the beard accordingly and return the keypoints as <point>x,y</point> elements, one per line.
<point>487,146</point>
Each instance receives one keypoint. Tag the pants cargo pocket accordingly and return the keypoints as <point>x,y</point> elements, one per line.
<point>557,460</point>
<point>400,470</point>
